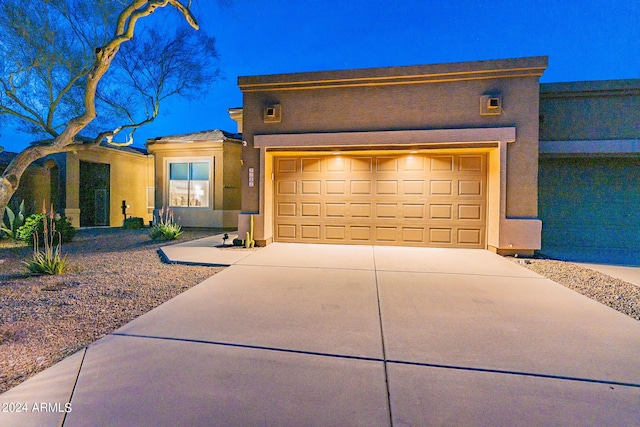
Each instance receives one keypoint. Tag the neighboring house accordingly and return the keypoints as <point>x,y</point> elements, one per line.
<point>590,170</point>
<point>197,176</point>
<point>89,186</point>
<point>34,186</point>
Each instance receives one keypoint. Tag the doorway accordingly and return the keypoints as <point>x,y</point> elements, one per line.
<point>94,194</point>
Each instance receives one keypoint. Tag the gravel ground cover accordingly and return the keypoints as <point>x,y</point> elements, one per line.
<point>607,290</point>
<point>114,276</point>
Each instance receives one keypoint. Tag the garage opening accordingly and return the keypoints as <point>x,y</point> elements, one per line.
<point>407,199</point>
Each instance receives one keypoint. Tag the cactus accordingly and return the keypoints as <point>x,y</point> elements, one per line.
<point>249,242</point>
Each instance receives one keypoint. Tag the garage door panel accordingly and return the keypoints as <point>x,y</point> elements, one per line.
<point>413,210</point>
<point>413,187</point>
<point>387,187</point>
<point>392,200</point>
<point>361,187</point>
<point>361,233</point>
<point>286,209</point>
<point>442,163</point>
<point>473,163</point>
<point>310,232</point>
<point>286,187</point>
<point>387,210</point>
<point>336,187</point>
<point>441,188</point>
<point>311,165</point>
<point>414,164</point>
<point>336,210</point>
<point>470,212</point>
<point>311,187</point>
<point>469,187</point>
<point>468,236</point>
<point>361,164</point>
<point>311,209</point>
<point>286,231</point>
<point>286,165</point>
<point>337,164</point>
<point>413,235</point>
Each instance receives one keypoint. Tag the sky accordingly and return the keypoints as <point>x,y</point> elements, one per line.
<point>584,40</point>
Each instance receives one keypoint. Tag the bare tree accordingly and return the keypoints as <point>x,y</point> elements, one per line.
<point>53,54</point>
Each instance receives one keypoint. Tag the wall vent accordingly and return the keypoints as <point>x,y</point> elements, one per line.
<point>272,113</point>
<point>490,105</point>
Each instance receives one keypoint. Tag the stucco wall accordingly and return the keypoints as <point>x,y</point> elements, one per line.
<point>34,188</point>
<point>128,181</point>
<point>224,194</point>
<point>599,110</point>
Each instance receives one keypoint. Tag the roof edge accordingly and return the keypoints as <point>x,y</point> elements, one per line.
<point>455,71</point>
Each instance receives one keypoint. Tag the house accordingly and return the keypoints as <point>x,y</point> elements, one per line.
<point>589,170</point>
<point>434,155</point>
<point>89,186</point>
<point>34,186</point>
<point>197,175</point>
<point>442,155</point>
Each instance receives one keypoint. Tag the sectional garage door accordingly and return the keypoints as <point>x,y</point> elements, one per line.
<point>383,199</point>
<point>589,209</point>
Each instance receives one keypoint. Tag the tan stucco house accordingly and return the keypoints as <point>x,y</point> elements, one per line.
<point>89,186</point>
<point>434,155</point>
<point>197,175</point>
<point>34,187</point>
<point>467,155</point>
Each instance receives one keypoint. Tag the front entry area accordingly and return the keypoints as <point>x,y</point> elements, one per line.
<point>385,198</point>
<point>94,194</point>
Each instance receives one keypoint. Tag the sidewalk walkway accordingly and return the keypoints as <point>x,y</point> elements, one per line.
<point>295,334</point>
<point>626,273</point>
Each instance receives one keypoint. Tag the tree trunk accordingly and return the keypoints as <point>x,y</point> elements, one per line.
<point>10,179</point>
<point>127,20</point>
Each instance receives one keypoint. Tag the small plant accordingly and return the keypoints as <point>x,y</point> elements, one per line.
<point>49,260</point>
<point>249,242</point>
<point>165,227</point>
<point>15,221</point>
<point>133,223</point>
<point>34,224</point>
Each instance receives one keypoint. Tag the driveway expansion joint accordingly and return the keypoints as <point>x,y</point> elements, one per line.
<point>251,347</point>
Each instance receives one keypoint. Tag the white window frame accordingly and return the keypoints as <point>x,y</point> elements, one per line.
<point>167,167</point>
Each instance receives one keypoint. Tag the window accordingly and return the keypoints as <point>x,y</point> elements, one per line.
<point>189,184</point>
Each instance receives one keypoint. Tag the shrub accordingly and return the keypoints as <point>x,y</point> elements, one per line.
<point>165,228</point>
<point>34,224</point>
<point>30,227</point>
<point>14,221</point>
<point>133,223</point>
<point>49,260</point>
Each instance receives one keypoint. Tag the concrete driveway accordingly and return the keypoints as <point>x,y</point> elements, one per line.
<point>323,335</point>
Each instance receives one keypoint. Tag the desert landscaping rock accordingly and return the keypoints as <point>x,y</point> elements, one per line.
<point>615,293</point>
<point>114,276</point>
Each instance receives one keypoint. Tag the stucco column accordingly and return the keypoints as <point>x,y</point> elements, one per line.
<point>72,182</point>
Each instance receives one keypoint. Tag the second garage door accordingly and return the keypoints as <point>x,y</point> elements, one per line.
<point>408,199</point>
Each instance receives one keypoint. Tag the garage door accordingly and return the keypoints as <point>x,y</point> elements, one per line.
<point>589,209</point>
<point>409,199</point>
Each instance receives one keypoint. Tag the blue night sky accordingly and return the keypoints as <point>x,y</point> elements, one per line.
<point>585,40</point>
